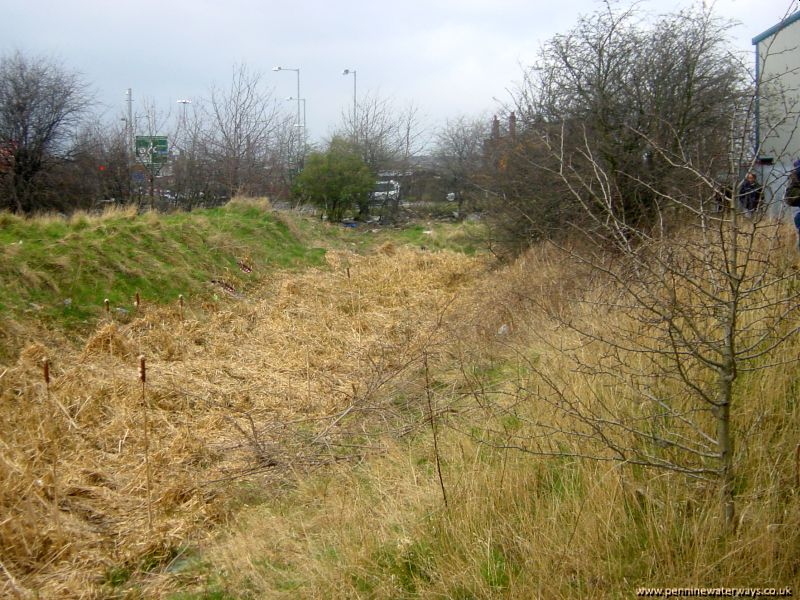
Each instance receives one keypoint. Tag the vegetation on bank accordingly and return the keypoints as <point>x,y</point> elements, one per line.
<point>59,271</point>
<point>236,392</point>
<point>292,442</point>
<point>422,230</point>
<point>523,506</point>
<point>336,181</point>
<point>613,409</point>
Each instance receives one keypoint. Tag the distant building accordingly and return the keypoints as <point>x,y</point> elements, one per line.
<point>499,145</point>
<point>778,102</point>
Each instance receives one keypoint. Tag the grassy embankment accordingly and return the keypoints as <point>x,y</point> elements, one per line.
<point>57,272</point>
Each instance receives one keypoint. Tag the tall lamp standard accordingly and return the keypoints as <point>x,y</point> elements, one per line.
<point>302,135</point>
<point>297,70</point>
<point>303,100</point>
<point>355,125</point>
<point>184,102</point>
<point>130,124</point>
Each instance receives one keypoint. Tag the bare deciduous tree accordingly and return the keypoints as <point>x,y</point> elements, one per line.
<point>99,170</point>
<point>386,138</point>
<point>154,123</point>
<point>624,90</point>
<point>385,135</point>
<point>41,104</point>
<point>459,154</point>
<point>192,179</point>
<point>699,295</point>
<point>241,122</point>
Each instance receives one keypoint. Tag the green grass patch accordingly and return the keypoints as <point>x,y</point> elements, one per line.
<point>409,565</point>
<point>117,576</point>
<point>466,237</point>
<point>60,271</point>
<point>495,571</point>
<point>211,594</point>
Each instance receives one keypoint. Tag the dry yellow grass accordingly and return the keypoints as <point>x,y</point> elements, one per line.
<point>263,387</point>
<point>520,525</point>
<point>226,393</point>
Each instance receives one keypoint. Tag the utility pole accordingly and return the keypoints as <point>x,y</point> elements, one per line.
<point>184,102</point>
<point>131,146</point>
<point>131,153</point>
<point>297,70</point>
<point>355,103</point>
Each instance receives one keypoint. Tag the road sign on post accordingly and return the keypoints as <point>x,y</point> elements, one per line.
<point>152,151</point>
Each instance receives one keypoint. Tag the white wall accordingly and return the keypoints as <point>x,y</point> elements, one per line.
<point>778,64</point>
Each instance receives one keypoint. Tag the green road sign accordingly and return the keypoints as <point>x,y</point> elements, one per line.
<point>152,149</point>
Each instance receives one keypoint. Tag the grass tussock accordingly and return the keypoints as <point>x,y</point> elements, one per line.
<point>517,526</point>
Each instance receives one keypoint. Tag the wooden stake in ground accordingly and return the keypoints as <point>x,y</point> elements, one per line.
<point>143,379</point>
<point>429,395</point>
<point>180,304</point>
<point>53,439</point>
<point>308,379</point>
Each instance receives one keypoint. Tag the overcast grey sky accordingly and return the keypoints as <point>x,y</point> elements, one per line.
<point>449,57</point>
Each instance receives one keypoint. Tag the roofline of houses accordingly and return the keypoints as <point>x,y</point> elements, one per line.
<point>776,28</point>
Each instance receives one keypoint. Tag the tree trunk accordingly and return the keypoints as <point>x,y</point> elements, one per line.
<point>722,412</point>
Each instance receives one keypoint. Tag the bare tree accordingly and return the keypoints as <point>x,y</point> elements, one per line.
<point>99,169</point>
<point>150,161</point>
<point>241,122</point>
<point>698,294</point>
<point>527,199</point>
<point>459,154</point>
<point>387,139</point>
<point>287,158</point>
<point>411,137</point>
<point>41,104</point>
<point>191,170</point>
<point>625,90</point>
<point>384,134</point>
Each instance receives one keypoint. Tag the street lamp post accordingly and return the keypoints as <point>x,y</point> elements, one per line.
<point>303,100</point>
<point>129,101</point>
<point>297,70</point>
<point>355,120</point>
<point>184,102</point>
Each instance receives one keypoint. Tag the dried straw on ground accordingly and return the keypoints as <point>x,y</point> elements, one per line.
<point>227,393</point>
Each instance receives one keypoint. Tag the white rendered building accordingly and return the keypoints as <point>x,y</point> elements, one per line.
<point>778,105</point>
